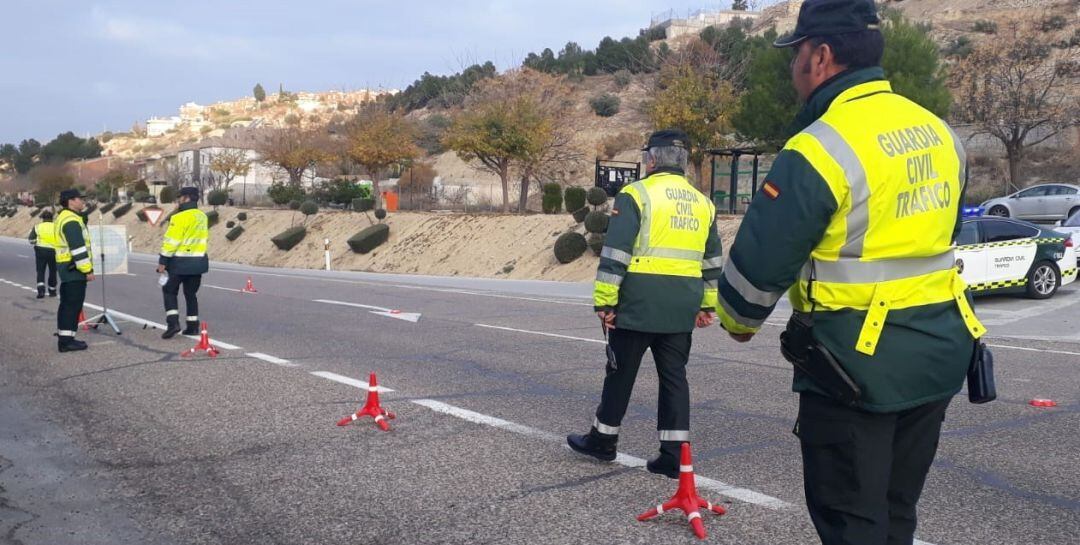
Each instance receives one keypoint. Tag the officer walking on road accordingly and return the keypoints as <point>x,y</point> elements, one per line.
<point>656,281</point>
<point>73,260</point>
<point>43,238</point>
<point>183,256</point>
<point>857,217</point>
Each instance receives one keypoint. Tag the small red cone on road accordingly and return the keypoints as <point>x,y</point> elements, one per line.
<point>371,408</point>
<point>203,346</point>
<point>1042,403</point>
<point>685,498</point>
<point>82,320</point>
<point>249,288</point>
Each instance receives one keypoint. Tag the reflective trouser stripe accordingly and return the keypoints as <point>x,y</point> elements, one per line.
<point>604,428</point>
<point>172,312</point>
<point>63,333</point>
<point>674,435</point>
<point>191,318</point>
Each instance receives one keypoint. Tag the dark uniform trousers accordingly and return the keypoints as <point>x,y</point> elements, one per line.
<point>72,295</point>
<point>45,259</point>
<point>863,472</point>
<point>191,283</point>
<point>671,352</point>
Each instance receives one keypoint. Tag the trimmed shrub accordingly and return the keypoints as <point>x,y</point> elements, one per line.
<point>369,238</point>
<point>380,214</point>
<point>363,204</point>
<point>596,222</point>
<point>242,216</point>
<point>217,197</point>
<point>569,246</point>
<point>289,238</point>
<point>234,233</point>
<point>167,195</point>
<point>294,204</point>
<point>121,210</point>
<point>107,206</point>
<point>551,202</point>
<point>597,196</point>
<point>140,196</point>
<point>605,105</point>
<point>141,214</point>
<point>230,224</point>
<point>36,212</point>
<point>574,197</point>
<point>596,243</point>
<point>309,208</point>
<point>212,218</point>
<point>89,209</point>
<point>580,214</point>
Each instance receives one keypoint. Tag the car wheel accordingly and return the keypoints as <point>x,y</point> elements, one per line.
<point>1043,280</point>
<point>1073,211</point>
<point>999,211</point>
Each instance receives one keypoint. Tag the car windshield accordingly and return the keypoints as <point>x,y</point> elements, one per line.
<point>1073,221</point>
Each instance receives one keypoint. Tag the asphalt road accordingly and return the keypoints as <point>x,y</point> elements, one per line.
<point>130,443</point>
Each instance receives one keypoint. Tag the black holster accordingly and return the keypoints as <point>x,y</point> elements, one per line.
<point>799,347</point>
<point>980,376</point>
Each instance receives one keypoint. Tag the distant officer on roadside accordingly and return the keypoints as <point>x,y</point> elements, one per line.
<point>857,217</point>
<point>73,261</point>
<point>43,238</point>
<point>656,281</point>
<point>183,256</point>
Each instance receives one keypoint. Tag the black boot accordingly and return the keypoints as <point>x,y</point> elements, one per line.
<point>40,292</point>
<point>192,328</point>
<point>69,344</point>
<point>52,292</point>
<point>598,445</point>
<point>172,327</point>
<point>667,463</point>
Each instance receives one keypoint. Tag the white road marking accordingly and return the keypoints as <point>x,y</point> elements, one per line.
<point>742,494</point>
<point>1035,310</point>
<point>156,325</point>
<point>346,380</point>
<point>23,256</point>
<point>1026,349</point>
<point>357,305</point>
<point>272,359</point>
<point>378,311</point>
<point>215,342</point>
<point>221,288</point>
<point>542,333</point>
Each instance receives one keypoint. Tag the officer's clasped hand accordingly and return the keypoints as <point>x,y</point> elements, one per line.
<point>607,319</point>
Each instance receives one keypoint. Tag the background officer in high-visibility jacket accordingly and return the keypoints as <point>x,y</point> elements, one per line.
<point>857,217</point>
<point>43,238</point>
<point>75,265</point>
<point>655,282</point>
<point>183,256</point>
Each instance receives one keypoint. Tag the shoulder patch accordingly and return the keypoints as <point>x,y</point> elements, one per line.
<point>770,190</point>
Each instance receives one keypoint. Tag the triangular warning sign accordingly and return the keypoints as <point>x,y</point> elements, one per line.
<point>153,214</point>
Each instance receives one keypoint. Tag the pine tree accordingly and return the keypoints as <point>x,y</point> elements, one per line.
<point>260,93</point>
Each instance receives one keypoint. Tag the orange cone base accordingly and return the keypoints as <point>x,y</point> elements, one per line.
<point>371,408</point>
<point>82,321</point>
<point>686,498</point>
<point>249,287</point>
<point>203,346</point>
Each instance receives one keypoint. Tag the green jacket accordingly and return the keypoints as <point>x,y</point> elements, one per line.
<point>923,352</point>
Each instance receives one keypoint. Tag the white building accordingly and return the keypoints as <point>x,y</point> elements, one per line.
<point>157,126</point>
<point>699,20</point>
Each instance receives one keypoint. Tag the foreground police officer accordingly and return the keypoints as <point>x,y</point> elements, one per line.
<point>43,238</point>
<point>183,256</point>
<point>656,281</point>
<point>857,216</point>
<point>73,261</point>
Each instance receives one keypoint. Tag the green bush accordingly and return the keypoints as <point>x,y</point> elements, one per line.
<point>569,246</point>
<point>234,233</point>
<point>294,204</point>
<point>309,208</point>
<point>121,210</point>
<point>597,196</point>
<point>107,206</point>
<point>284,193</point>
<point>36,212</point>
<point>605,105</point>
<point>1052,23</point>
<point>552,198</point>
<point>167,195</point>
<point>985,27</point>
<point>574,198</point>
<point>289,238</point>
<point>212,218</point>
<point>380,214</point>
<point>242,216</point>
<point>596,222</point>
<point>230,224</point>
<point>369,238</point>
<point>596,243</point>
<point>580,214</point>
<point>217,197</point>
<point>623,78</point>
<point>140,196</point>
<point>363,204</point>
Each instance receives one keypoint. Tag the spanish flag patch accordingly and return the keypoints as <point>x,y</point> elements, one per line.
<point>770,190</point>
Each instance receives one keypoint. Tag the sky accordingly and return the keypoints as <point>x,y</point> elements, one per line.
<point>73,65</point>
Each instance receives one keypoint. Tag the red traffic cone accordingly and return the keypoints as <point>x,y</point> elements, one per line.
<point>686,497</point>
<point>82,320</point>
<point>249,288</point>
<point>371,408</point>
<point>1037,402</point>
<point>203,346</point>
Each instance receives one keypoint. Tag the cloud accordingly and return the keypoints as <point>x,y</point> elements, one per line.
<point>168,39</point>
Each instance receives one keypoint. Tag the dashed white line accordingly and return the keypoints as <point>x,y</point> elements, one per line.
<point>346,380</point>
<point>357,305</point>
<point>541,333</point>
<point>272,359</point>
<point>1026,349</point>
<point>22,256</point>
<point>223,289</point>
<point>156,325</point>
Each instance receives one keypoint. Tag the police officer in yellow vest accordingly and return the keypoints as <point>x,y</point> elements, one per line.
<point>43,238</point>
<point>183,256</point>
<point>655,282</point>
<point>856,222</point>
<point>76,268</point>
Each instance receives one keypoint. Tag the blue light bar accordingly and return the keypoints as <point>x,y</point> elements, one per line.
<point>972,211</point>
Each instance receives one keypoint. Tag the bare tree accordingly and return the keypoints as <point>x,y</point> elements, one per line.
<point>293,150</point>
<point>227,164</point>
<point>1012,89</point>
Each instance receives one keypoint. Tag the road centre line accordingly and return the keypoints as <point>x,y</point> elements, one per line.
<point>221,288</point>
<point>541,333</point>
<point>1026,349</point>
<point>346,304</point>
<point>348,381</point>
<point>156,325</point>
<point>271,359</point>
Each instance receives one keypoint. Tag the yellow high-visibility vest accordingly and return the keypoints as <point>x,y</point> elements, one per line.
<point>64,253</point>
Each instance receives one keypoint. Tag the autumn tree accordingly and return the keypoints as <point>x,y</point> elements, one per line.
<point>115,179</point>
<point>378,138</point>
<point>292,149</point>
<point>1012,89</point>
<point>692,96</point>
<point>49,180</point>
<point>227,165</point>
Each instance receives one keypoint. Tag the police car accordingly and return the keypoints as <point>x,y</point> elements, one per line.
<point>1002,255</point>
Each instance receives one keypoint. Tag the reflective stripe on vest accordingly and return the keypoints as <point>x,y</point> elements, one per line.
<point>897,183</point>
<point>675,223</point>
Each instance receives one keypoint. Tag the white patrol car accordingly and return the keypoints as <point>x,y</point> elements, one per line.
<point>1001,255</point>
